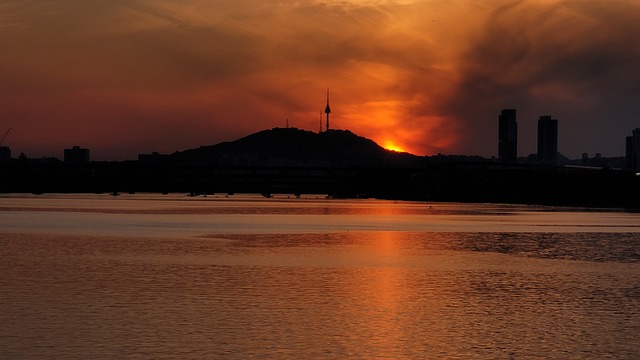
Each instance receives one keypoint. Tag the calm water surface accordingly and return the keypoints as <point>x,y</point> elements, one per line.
<point>243,277</point>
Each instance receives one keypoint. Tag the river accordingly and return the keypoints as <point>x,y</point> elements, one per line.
<point>150,276</point>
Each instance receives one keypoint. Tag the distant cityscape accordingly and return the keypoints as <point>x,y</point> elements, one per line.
<point>340,164</point>
<point>547,147</point>
<point>547,150</point>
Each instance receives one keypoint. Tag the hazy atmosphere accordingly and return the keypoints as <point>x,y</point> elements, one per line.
<point>127,77</point>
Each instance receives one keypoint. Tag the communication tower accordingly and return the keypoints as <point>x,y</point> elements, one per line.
<point>327,110</point>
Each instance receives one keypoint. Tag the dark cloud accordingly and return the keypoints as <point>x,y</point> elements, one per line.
<point>569,60</point>
<point>129,76</point>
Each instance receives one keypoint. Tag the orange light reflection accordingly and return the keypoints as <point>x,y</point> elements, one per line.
<point>382,291</point>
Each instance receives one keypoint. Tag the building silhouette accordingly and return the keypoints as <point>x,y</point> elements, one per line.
<point>153,158</point>
<point>76,155</point>
<point>633,150</point>
<point>507,135</point>
<point>547,140</point>
<point>5,154</point>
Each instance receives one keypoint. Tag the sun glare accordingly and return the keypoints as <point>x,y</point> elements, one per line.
<point>390,145</point>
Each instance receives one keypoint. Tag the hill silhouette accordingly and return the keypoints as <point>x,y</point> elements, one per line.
<point>337,163</point>
<point>295,147</point>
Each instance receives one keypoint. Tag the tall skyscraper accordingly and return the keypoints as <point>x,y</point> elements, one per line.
<point>547,139</point>
<point>633,150</point>
<point>507,135</point>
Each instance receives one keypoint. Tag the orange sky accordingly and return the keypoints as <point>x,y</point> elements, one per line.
<point>128,77</point>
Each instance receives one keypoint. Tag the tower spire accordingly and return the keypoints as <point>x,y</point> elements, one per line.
<point>327,110</point>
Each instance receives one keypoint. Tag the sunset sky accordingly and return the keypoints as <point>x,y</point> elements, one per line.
<point>123,77</point>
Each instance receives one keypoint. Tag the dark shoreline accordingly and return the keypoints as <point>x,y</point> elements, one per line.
<point>482,182</point>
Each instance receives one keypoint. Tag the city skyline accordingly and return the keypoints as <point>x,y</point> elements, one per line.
<point>123,78</point>
<point>546,152</point>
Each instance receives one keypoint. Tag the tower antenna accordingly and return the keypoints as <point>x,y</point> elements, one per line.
<point>327,110</point>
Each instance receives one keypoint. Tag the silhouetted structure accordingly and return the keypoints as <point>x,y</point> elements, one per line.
<point>337,163</point>
<point>5,153</point>
<point>153,158</point>
<point>327,110</point>
<point>584,159</point>
<point>633,150</point>
<point>76,155</point>
<point>547,139</point>
<point>507,135</point>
